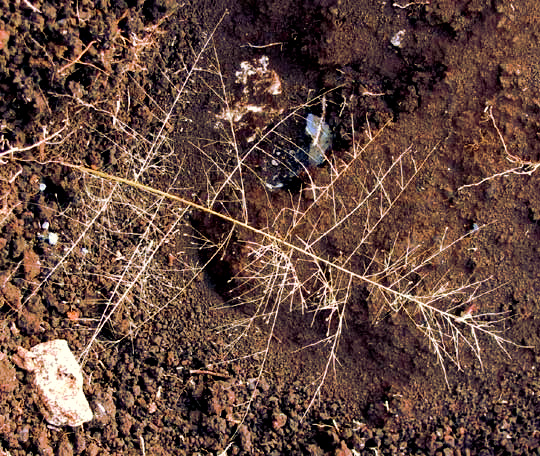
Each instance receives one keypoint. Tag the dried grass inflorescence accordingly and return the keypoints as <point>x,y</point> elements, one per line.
<point>288,266</point>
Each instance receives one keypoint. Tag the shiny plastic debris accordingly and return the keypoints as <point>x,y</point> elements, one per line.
<point>59,381</point>
<point>321,139</point>
<point>286,168</point>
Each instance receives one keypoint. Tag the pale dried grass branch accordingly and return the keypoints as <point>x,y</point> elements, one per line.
<point>523,168</point>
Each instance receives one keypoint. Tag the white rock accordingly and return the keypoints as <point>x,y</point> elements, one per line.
<point>397,39</point>
<point>53,238</point>
<point>59,381</point>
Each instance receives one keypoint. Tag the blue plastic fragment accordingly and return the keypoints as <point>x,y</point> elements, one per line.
<point>321,139</point>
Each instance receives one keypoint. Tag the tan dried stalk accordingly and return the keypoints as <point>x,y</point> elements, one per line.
<point>283,269</point>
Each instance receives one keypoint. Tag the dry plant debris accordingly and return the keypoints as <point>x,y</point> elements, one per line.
<point>286,264</point>
<point>285,269</point>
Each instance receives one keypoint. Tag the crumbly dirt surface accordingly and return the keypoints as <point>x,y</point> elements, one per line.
<point>431,185</point>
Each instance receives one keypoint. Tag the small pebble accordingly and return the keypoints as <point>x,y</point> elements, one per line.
<point>397,39</point>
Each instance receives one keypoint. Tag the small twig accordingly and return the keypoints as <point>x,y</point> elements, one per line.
<point>397,5</point>
<point>262,46</point>
<point>519,171</point>
<point>143,450</point>
<point>207,372</point>
<point>12,178</point>
<point>32,7</point>
<point>78,59</point>
<point>525,167</point>
<point>367,93</point>
<point>45,140</point>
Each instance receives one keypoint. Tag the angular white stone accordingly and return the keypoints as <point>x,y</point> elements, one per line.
<point>59,381</point>
<point>53,238</point>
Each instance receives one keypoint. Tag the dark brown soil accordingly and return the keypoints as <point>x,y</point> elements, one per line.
<point>137,287</point>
